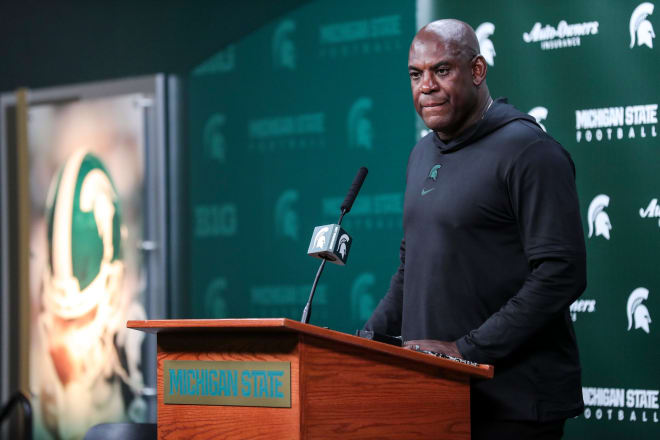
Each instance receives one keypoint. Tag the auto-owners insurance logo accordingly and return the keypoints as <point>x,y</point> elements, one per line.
<point>560,36</point>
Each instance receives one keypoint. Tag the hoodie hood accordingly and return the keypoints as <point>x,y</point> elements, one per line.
<point>499,114</point>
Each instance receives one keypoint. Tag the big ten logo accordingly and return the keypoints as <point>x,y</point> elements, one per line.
<point>286,217</point>
<point>222,62</point>
<point>291,132</point>
<point>582,306</point>
<point>370,212</point>
<point>215,144</point>
<point>215,302</point>
<point>287,300</point>
<point>616,123</point>
<point>361,37</point>
<point>359,128</point>
<point>637,312</point>
<point>362,301</point>
<point>283,47</point>
<point>641,29</point>
<point>486,46</point>
<point>216,220</point>
<point>597,218</point>
<point>539,114</point>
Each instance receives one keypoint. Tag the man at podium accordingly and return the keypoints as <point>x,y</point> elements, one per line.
<point>493,250</point>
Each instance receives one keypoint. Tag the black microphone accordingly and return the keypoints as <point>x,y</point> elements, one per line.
<point>354,190</point>
<point>331,242</point>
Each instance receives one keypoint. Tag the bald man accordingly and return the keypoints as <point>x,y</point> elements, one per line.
<point>493,250</point>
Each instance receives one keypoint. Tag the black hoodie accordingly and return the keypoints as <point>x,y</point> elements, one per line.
<point>493,255</point>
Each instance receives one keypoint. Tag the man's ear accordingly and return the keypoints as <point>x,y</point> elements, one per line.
<point>479,70</point>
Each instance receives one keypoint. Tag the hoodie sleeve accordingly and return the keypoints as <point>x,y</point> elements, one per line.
<point>386,319</point>
<point>543,197</point>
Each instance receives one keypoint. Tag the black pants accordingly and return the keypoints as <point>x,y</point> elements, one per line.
<point>517,430</point>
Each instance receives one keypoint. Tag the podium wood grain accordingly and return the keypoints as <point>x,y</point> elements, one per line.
<point>342,387</point>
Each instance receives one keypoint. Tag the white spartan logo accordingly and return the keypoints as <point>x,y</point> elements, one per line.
<point>637,312</point>
<point>599,221</point>
<point>641,30</point>
<point>487,48</point>
<point>319,240</point>
<point>540,114</point>
<point>342,245</point>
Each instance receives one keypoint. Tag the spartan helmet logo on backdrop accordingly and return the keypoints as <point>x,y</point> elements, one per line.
<point>641,29</point>
<point>599,221</point>
<point>215,303</point>
<point>84,308</point>
<point>637,312</point>
<point>284,50</point>
<point>362,302</point>
<point>286,218</point>
<point>540,114</point>
<point>215,144</point>
<point>360,131</point>
<point>486,47</point>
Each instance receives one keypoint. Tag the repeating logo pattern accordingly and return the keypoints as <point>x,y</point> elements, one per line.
<point>375,35</point>
<point>599,220</point>
<point>360,131</point>
<point>362,301</point>
<point>561,36</point>
<point>614,139</point>
<point>638,314</point>
<point>617,123</point>
<point>641,29</point>
<point>286,217</point>
<point>540,114</point>
<point>486,46</point>
<point>652,210</point>
<point>284,49</point>
<point>215,144</point>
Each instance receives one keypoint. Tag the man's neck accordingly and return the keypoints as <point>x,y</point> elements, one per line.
<point>480,111</point>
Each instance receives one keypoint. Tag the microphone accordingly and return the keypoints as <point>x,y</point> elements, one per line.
<point>331,242</point>
<point>354,190</point>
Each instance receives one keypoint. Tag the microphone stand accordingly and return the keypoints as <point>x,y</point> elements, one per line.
<point>307,311</point>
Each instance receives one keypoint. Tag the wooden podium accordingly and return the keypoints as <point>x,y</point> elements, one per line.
<point>341,386</point>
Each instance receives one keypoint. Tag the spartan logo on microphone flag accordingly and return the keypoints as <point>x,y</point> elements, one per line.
<point>330,242</point>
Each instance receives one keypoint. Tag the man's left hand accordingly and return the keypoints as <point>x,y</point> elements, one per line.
<point>448,348</point>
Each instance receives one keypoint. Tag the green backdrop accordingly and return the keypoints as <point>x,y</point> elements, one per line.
<point>281,120</point>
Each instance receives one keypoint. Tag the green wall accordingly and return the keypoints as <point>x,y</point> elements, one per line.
<point>281,120</point>
<point>279,124</point>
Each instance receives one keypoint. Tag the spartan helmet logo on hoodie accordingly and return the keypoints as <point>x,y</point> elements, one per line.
<point>84,251</point>
<point>598,218</point>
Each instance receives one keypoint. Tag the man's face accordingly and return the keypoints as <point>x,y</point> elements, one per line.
<point>441,80</point>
